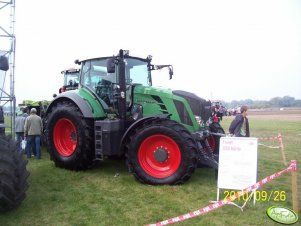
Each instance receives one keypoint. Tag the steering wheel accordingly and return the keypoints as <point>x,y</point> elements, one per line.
<point>102,92</point>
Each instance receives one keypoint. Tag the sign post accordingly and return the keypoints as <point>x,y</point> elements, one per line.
<point>295,188</point>
<point>237,163</point>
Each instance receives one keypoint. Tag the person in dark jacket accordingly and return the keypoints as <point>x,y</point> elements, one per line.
<point>240,125</point>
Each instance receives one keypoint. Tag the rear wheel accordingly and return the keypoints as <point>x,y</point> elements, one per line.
<point>161,152</point>
<point>69,137</point>
<point>13,175</point>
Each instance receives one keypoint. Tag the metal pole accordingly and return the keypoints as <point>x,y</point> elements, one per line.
<point>12,72</point>
<point>8,36</point>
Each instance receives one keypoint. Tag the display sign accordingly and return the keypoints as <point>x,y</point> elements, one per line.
<point>237,163</point>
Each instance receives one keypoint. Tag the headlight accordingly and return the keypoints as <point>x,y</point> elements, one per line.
<point>199,119</point>
<point>201,122</point>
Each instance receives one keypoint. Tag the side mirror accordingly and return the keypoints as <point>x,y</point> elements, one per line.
<point>4,66</point>
<point>111,65</point>
<point>77,62</point>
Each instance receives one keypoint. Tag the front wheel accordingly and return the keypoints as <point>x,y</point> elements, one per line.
<point>161,152</point>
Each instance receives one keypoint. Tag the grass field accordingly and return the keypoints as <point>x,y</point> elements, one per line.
<point>109,195</point>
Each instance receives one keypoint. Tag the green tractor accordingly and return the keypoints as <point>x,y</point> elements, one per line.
<point>41,106</point>
<point>116,112</point>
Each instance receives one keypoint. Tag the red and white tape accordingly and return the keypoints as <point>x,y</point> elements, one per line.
<point>279,138</point>
<point>281,146</point>
<point>271,138</point>
<point>216,205</point>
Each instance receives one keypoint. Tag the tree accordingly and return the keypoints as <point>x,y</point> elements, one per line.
<point>288,101</point>
<point>275,101</point>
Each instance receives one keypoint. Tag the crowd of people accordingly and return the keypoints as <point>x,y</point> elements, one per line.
<point>239,126</point>
<point>29,128</point>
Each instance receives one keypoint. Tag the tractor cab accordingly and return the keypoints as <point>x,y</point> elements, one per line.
<point>71,79</point>
<point>102,77</point>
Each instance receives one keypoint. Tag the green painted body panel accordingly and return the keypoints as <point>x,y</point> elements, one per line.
<point>98,111</point>
<point>36,103</point>
<point>143,96</point>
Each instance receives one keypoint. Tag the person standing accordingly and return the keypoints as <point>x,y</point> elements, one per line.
<point>25,115</point>
<point>240,125</point>
<point>25,112</point>
<point>19,129</point>
<point>32,131</point>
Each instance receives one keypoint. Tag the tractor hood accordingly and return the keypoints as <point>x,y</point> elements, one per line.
<point>199,106</point>
<point>150,90</point>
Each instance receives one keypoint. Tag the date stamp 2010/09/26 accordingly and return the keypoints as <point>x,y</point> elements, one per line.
<point>264,196</point>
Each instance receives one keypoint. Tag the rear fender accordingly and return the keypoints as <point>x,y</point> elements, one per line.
<point>83,105</point>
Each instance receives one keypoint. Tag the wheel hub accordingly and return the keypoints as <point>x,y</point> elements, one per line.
<point>161,154</point>
<point>65,137</point>
<point>73,136</point>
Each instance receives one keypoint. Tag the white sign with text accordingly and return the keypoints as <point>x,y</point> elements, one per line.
<point>237,162</point>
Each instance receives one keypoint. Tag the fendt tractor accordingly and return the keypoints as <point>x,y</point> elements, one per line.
<point>71,79</point>
<point>116,112</point>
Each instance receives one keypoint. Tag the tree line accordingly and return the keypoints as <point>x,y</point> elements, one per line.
<point>279,102</point>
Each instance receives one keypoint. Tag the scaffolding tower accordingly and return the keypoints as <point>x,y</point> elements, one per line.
<point>8,50</point>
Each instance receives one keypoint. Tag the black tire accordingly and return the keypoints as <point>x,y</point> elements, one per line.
<point>2,130</point>
<point>215,127</point>
<point>69,137</point>
<point>176,151</point>
<point>13,175</point>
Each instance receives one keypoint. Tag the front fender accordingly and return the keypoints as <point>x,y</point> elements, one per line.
<point>138,123</point>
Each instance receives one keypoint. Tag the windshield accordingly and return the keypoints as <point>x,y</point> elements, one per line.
<point>137,72</point>
<point>71,78</point>
<point>94,73</point>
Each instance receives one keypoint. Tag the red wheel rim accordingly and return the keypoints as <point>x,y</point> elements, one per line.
<point>65,137</point>
<point>159,156</point>
<point>211,142</point>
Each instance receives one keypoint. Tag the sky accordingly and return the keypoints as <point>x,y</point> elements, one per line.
<point>225,50</point>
